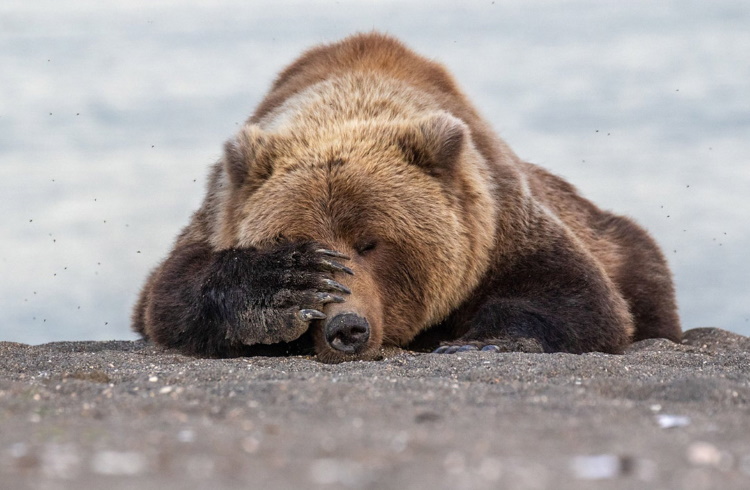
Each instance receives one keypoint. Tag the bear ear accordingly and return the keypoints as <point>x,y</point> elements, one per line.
<point>248,156</point>
<point>434,143</point>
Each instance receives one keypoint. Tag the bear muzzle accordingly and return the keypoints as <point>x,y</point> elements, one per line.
<point>348,333</point>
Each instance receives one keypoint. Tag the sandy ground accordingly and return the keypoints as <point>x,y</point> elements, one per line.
<point>93,415</point>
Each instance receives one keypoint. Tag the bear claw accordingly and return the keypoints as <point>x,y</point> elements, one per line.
<point>517,345</point>
<point>308,315</point>
<point>329,298</point>
<point>336,267</point>
<point>333,253</point>
<point>336,286</point>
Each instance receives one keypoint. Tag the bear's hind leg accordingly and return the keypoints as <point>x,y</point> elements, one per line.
<point>645,281</point>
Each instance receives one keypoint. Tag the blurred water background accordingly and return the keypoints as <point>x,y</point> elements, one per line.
<point>111,112</point>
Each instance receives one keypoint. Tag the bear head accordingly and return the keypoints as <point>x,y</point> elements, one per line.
<point>409,201</point>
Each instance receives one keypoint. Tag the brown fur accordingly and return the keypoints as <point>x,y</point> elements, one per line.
<point>363,142</point>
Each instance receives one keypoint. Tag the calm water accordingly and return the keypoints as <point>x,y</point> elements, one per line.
<point>110,116</point>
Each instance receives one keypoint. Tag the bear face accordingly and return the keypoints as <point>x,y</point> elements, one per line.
<point>384,193</point>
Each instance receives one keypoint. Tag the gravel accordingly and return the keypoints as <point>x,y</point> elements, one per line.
<point>120,414</point>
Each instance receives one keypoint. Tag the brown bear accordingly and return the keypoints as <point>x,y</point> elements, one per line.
<point>366,204</point>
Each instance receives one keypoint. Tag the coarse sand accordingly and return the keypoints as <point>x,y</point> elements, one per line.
<point>121,414</point>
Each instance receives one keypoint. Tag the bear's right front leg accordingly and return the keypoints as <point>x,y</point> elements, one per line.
<point>210,303</point>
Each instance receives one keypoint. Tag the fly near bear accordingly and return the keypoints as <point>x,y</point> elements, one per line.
<point>367,204</point>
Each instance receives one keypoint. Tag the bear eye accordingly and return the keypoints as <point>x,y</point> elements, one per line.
<point>365,247</point>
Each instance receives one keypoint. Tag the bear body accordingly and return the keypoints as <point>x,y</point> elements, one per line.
<point>366,204</point>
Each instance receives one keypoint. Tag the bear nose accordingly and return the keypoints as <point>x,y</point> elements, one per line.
<point>348,333</point>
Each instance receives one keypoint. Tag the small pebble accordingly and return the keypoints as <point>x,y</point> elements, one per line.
<point>186,435</point>
<point>597,467</point>
<point>706,454</point>
<point>400,441</point>
<point>667,421</point>
<point>19,450</point>
<point>118,463</point>
<point>250,445</point>
<point>703,453</point>
<point>329,471</point>
<point>60,461</point>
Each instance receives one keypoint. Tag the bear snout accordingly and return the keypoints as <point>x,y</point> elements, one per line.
<point>348,333</point>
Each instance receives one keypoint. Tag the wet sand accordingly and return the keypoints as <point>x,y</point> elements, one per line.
<point>121,414</point>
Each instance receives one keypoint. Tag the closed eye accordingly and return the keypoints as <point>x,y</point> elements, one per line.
<point>366,247</point>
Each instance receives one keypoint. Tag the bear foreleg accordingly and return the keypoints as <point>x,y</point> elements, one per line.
<point>205,302</point>
<point>556,299</point>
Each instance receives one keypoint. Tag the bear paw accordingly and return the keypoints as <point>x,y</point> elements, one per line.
<point>306,287</point>
<point>528,345</point>
<point>275,297</point>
